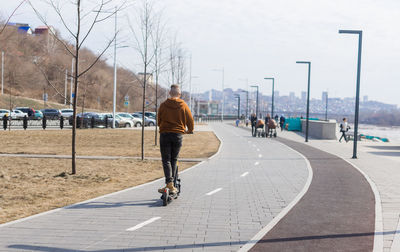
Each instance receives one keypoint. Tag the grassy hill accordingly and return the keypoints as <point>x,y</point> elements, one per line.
<point>18,101</point>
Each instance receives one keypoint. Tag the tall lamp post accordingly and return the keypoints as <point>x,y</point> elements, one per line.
<point>238,97</point>
<point>222,70</point>
<point>247,102</point>
<point>359,33</point>
<point>308,94</point>
<point>273,93</point>
<point>255,86</point>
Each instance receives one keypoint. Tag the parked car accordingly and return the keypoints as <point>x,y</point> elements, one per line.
<point>67,113</point>
<point>136,121</point>
<point>151,115</point>
<point>18,114</point>
<point>27,110</point>
<point>119,121</point>
<point>4,112</point>
<point>38,115</point>
<point>87,119</point>
<point>54,114</point>
<point>147,120</point>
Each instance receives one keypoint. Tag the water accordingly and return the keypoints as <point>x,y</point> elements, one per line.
<point>392,133</point>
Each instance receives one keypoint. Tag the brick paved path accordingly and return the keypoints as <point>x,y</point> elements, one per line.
<point>224,203</point>
<point>336,214</point>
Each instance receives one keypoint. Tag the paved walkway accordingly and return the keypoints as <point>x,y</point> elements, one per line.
<point>381,163</point>
<point>336,214</point>
<point>225,202</point>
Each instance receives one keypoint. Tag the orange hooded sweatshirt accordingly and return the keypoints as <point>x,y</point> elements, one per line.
<point>174,116</point>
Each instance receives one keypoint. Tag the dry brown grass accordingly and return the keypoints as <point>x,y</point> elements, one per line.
<point>29,185</point>
<point>32,185</point>
<point>101,142</point>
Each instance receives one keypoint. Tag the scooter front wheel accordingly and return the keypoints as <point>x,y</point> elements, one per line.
<point>165,197</point>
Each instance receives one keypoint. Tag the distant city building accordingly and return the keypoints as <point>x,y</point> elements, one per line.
<point>292,96</point>
<point>365,98</point>
<point>324,96</point>
<point>276,93</point>
<point>303,96</point>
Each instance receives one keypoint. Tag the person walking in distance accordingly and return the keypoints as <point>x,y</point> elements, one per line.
<point>344,127</point>
<point>253,121</point>
<point>282,122</point>
<point>174,120</point>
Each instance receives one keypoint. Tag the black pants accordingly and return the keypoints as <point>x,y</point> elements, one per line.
<point>170,145</point>
<point>343,136</point>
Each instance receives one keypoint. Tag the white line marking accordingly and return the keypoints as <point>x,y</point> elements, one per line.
<point>140,225</point>
<point>215,191</point>
<point>258,149</point>
<point>378,237</point>
<point>256,163</point>
<point>254,145</point>
<point>244,174</point>
<point>286,210</point>
<point>259,155</point>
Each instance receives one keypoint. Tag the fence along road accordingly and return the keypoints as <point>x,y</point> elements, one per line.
<point>225,201</point>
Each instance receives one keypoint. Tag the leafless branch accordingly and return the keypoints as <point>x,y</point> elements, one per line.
<point>12,14</point>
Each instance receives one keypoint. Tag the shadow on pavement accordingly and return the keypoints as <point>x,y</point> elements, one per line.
<point>386,153</point>
<point>385,147</point>
<point>200,245</point>
<point>98,204</point>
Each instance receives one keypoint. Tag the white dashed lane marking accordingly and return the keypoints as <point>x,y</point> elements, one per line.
<point>256,163</point>
<point>244,174</point>
<point>259,155</point>
<point>215,191</point>
<point>140,225</point>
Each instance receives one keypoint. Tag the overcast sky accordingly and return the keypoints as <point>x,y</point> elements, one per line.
<point>261,38</point>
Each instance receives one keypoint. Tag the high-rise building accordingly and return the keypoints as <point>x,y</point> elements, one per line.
<point>292,96</point>
<point>303,96</point>
<point>324,96</point>
<point>365,98</point>
<point>276,93</point>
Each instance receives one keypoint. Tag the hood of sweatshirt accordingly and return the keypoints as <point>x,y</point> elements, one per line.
<point>174,103</point>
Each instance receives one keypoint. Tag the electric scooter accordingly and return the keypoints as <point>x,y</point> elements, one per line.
<point>166,196</point>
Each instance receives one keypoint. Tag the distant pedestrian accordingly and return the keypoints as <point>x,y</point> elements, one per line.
<point>282,122</point>
<point>344,127</point>
<point>276,117</point>
<point>237,122</point>
<point>253,120</point>
<point>247,122</point>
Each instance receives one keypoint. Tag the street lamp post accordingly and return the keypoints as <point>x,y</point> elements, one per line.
<point>256,100</point>
<point>247,102</point>
<point>326,107</point>
<point>2,72</point>
<point>308,94</point>
<point>359,33</point>
<point>238,97</point>
<point>273,93</point>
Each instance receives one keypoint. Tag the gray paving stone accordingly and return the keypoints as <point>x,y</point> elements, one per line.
<point>223,221</point>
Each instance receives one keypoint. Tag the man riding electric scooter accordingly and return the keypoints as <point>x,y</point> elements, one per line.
<point>174,117</point>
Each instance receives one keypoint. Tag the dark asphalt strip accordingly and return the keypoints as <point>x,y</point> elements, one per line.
<point>336,214</point>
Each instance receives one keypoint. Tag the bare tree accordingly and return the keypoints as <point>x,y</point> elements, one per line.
<point>158,37</point>
<point>142,44</point>
<point>79,32</point>
<point>11,15</point>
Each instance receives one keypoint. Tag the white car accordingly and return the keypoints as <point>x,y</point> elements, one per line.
<point>119,121</point>
<point>4,112</point>
<point>18,114</point>
<point>136,121</point>
<point>66,113</point>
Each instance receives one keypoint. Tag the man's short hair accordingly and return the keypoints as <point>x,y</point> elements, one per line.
<point>175,90</point>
